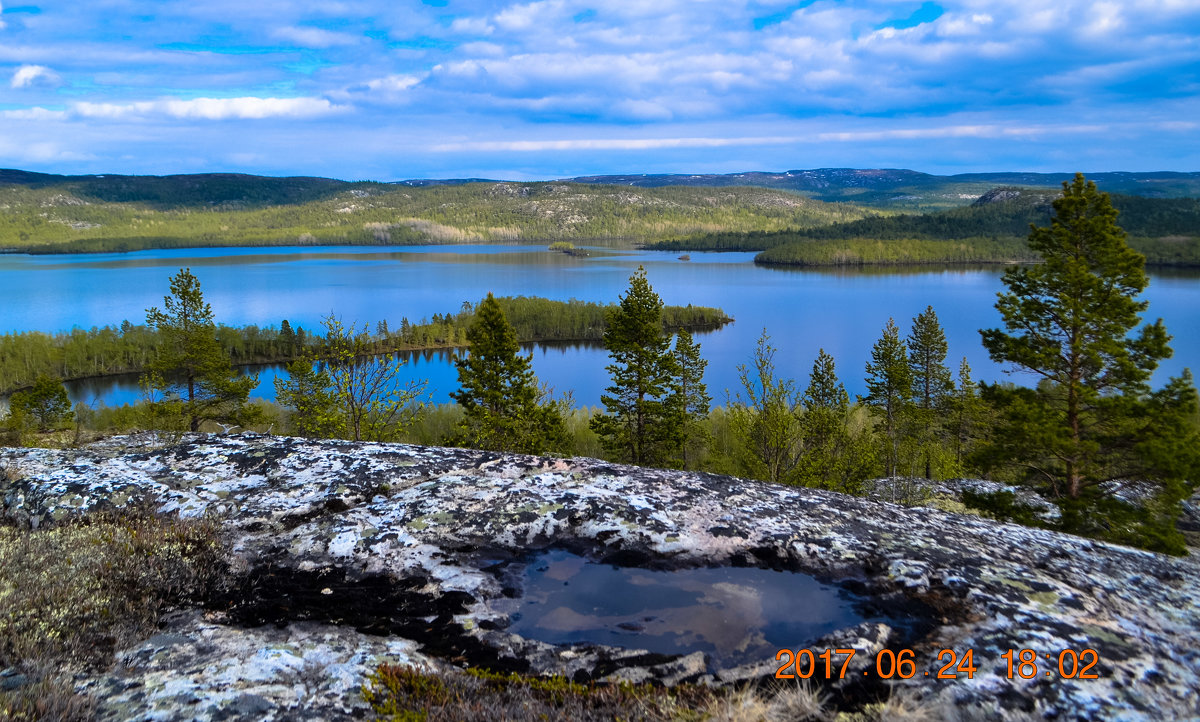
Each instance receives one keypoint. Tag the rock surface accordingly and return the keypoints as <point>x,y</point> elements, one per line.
<point>363,552</point>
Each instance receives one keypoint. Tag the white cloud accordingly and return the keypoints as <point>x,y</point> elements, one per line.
<point>471,26</point>
<point>31,75</point>
<point>314,37</point>
<point>528,146</point>
<point>210,108</point>
<point>34,113</point>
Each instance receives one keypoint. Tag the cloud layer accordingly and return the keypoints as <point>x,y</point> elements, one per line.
<point>564,87</point>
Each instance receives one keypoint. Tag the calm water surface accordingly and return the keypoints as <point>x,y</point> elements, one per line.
<point>842,311</point>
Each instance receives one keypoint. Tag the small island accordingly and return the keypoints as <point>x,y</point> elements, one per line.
<point>568,248</point>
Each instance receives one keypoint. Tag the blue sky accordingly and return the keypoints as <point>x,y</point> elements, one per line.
<point>381,89</point>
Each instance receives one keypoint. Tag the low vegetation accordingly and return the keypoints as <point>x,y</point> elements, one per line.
<point>72,593</point>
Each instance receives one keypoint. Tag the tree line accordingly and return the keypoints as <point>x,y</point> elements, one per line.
<point>130,348</point>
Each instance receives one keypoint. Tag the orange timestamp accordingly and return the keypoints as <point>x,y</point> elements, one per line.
<point>903,664</point>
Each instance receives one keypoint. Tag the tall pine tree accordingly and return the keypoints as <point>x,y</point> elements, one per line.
<point>889,391</point>
<point>834,457</point>
<point>1073,321</point>
<point>689,399</point>
<point>499,392</point>
<point>768,419</point>
<point>931,384</point>
<point>636,426</point>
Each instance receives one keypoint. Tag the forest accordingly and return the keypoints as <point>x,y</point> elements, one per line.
<point>990,230</point>
<point>128,348</point>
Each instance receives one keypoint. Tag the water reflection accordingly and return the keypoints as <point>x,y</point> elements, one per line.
<point>733,615</point>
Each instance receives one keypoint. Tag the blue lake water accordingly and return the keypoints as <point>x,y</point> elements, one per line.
<point>842,311</point>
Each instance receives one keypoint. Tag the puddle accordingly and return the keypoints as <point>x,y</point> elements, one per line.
<point>735,615</point>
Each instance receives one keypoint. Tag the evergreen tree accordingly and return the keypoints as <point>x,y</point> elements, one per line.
<point>689,399</point>
<point>889,390</point>
<point>191,363</point>
<point>967,415</point>
<point>834,458</point>
<point>768,420</point>
<point>499,394</point>
<point>636,427</point>
<point>45,404</point>
<point>1091,419</point>
<point>287,338</point>
<point>931,383</point>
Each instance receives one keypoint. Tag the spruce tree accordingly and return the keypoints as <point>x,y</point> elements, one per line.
<point>191,363</point>
<point>967,415</point>
<point>834,458</point>
<point>499,392</point>
<point>1072,321</point>
<point>636,426</point>
<point>689,399</point>
<point>889,390</point>
<point>931,383</point>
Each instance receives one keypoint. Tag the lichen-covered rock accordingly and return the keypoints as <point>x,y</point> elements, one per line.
<point>397,540</point>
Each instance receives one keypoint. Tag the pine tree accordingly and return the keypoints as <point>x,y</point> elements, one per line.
<point>309,392</point>
<point>45,403</point>
<point>191,362</point>
<point>889,390</point>
<point>689,399</point>
<point>931,383</point>
<point>1091,419</point>
<point>636,426</point>
<point>499,394</point>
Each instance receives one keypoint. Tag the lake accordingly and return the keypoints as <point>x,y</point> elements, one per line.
<point>842,310</point>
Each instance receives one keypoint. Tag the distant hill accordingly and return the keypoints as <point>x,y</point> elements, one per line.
<point>993,228</point>
<point>901,188</point>
<point>44,213</point>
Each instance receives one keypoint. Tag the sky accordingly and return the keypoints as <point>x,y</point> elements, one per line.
<point>396,89</point>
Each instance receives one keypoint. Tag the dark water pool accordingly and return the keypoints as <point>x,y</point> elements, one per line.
<point>735,615</point>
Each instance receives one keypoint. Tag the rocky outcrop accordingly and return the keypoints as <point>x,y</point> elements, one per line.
<point>349,554</point>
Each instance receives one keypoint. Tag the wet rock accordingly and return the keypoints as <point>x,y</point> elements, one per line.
<point>319,529</point>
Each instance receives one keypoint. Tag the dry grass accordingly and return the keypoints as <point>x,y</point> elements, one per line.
<point>410,694</point>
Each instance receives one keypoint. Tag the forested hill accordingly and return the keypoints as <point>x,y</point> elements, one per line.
<point>120,213</point>
<point>991,229</point>
<point>899,188</point>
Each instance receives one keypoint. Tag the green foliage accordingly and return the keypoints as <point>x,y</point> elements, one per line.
<point>637,425</point>
<point>1069,321</point>
<point>836,456</point>
<point>499,392</point>
<point>129,348</point>
<point>310,393</point>
<point>768,419</point>
<point>967,421</point>
<point>190,362</point>
<point>889,391</point>
<point>75,217</point>
<point>46,403</point>
<point>1002,505</point>
<point>932,387</point>
<point>689,400</point>
<point>991,230</point>
<point>1092,420</point>
<point>373,401</point>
